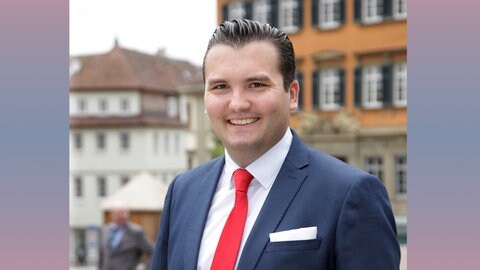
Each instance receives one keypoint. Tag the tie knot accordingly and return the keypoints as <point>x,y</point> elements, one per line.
<point>242,179</point>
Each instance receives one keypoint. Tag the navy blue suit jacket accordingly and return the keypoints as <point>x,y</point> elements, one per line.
<point>351,209</point>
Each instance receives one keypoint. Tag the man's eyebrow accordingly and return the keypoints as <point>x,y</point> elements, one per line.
<point>216,81</point>
<point>261,78</point>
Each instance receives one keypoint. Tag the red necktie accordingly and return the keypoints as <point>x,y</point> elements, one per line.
<point>229,243</point>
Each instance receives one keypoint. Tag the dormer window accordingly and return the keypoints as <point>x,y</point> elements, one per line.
<point>75,66</point>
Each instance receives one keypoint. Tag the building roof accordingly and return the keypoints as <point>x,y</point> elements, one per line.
<point>142,193</point>
<point>122,68</point>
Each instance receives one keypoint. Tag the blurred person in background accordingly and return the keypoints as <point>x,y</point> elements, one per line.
<point>123,242</point>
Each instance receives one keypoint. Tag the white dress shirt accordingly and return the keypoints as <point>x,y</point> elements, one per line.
<point>264,170</point>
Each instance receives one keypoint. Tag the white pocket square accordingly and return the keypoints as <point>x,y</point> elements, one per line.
<point>307,233</point>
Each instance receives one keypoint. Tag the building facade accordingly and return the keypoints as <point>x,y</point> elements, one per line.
<point>351,58</point>
<point>125,117</point>
<point>200,139</point>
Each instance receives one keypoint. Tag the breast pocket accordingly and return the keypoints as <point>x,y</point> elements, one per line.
<point>302,254</point>
<point>302,245</point>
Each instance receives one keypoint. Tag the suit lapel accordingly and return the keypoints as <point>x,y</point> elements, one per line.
<point>207,184</point>
<point>286,185</point>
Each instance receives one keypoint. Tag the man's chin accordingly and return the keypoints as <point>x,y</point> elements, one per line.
<point>241,145</point>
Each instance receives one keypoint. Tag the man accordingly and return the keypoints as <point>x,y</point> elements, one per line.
<point>123,242</point>
<point>302,210</point>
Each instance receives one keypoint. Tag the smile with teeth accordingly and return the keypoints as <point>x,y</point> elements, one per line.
<point>242,122</point>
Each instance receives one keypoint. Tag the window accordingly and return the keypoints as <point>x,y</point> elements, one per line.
<point>102,186</point>
<point>156,144</point>
<point>124,105</point>
<point>177,142</point>
<point>400,84</point>
<point>102,105</point>
<point>327,14</point>
<point>82,105</point>
<point>101,141</point>
<point>372,87</point>
<point>167,142</point>
<point>329,89</point>
<point>124,180</point>
<point>401,175</point>
<point>261,11</point>
<point>400,9</point>
<point>290,15</point>
<point>172,107</point>
<point>373,165</point>
<point>236,11</point>
<point>124,141</point>
<point>78,141</point>
<point>78,187</point>
<point>377,11</point>
<point>372,11</point>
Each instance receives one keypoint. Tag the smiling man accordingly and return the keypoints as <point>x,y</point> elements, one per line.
<point>271,202</point>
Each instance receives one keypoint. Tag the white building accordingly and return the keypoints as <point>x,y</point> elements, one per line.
<point>126,116</point>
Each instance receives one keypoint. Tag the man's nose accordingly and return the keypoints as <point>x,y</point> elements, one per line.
<point>239,100</point>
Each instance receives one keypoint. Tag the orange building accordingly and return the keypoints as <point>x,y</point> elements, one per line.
<point>351,58</point>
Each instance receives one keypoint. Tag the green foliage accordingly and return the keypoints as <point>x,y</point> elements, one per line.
<point>218,149</point>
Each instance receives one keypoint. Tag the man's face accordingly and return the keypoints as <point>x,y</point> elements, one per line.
<point>245,98</point>
<point>120,216</point>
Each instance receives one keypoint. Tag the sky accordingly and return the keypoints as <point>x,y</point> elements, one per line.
<point>180,27</point>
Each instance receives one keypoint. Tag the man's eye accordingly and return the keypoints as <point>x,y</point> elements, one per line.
<point>220,86</point>
<point>256,85</point>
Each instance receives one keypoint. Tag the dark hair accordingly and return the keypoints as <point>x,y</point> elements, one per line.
<point>237,33</point>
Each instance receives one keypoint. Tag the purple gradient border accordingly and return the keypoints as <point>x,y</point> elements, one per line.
<point>443,135</point>
<point>34,134</point>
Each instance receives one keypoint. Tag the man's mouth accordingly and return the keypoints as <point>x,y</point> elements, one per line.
<point>243,122</point>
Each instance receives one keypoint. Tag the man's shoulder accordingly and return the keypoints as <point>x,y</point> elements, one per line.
<point>134,227</point>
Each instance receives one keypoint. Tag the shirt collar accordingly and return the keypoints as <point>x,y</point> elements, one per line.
<point>266,167</point>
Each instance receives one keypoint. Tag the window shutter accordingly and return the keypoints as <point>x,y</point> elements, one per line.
<point>358,11</point>
<point>387,8</point>
<point>248,10</point>
<point>299,76</point>
<point>315,13</point>
<point>341,6</point>
<point>316,89</point>
<point>274,13</point>
<point>341,77</point>
<point>300,14</point>
<point>387,84</point>
<point>358,87</point>
<point>225,12</point>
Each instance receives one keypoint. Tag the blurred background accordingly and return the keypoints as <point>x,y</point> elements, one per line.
<point>136,98</point>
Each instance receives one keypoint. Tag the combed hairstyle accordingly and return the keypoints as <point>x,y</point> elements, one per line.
<point>237,33</point>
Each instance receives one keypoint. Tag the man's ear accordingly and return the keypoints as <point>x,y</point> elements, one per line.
<point>293,92</point>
